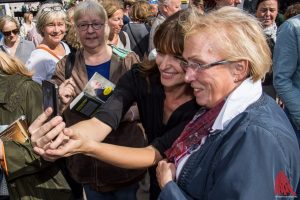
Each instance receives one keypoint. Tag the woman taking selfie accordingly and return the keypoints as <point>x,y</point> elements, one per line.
<point>164,100</point>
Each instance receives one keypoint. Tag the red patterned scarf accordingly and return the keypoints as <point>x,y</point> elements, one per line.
<point>193,133</point>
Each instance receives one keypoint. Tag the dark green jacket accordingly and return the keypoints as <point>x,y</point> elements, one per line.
<point>29,177</point>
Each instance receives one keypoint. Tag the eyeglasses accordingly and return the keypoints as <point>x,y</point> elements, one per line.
<point>84,27</point>
<point>53,8</point>
<point>8,33</point>
<point>196,66</point>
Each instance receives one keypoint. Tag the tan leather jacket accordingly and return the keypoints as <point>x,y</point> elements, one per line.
<point>86,170</point>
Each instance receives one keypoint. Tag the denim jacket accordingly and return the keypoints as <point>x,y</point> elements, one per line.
<point>287,67</point>
<point>244,161</point>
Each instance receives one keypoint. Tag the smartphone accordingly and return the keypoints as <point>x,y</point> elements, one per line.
<point>50,97</point>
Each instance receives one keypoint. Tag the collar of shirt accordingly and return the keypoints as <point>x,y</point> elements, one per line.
<point>237,102</point>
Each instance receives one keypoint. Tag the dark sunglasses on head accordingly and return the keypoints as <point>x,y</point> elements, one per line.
<point>53,8</point>
<point>8,33</point>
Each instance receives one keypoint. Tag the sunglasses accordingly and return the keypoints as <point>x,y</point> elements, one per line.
<point>53,8</point>
<point>8,33</point>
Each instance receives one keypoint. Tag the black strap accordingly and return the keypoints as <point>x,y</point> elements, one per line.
<point>122,38</point>
<point>2,48</point>
<point>137,44</point>
<point>69,64</point>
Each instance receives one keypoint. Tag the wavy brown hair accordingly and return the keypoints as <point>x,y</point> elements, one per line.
<point>169,38</point>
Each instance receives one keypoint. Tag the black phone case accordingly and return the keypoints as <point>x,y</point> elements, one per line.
<point>50,97</point>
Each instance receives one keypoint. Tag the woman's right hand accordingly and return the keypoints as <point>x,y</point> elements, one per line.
<point>66,90</point>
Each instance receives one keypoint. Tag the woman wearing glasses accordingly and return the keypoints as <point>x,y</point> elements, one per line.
<point>51,24</point>
<point>240,145</point>
<point>165,102</point>
<point>12,43</point>
<point>99,179</point>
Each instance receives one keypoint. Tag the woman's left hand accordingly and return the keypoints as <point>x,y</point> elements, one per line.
<point>165,172</point>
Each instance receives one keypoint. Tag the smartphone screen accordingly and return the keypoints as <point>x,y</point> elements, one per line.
<point>50,97</point>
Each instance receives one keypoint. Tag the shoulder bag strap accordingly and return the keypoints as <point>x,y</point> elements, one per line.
<point>69,64</point>
<point>49,51</point>
<point>137,44</point>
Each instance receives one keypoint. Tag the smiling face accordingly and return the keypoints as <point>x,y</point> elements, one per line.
<point>210,85</point>
<point>115,22</point>
<point>91,38</point>
<point>10,28</point>
<point>54,31</point>
<point>171,74</point>
<point>266,12</point>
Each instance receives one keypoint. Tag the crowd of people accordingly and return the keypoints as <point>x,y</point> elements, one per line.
<point>206,102</point>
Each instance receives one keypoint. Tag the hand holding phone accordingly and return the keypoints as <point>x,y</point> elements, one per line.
<point>50,97</point>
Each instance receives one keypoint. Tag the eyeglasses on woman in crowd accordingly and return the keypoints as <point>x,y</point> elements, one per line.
<point>85,26</point>
<point>196,66</point>
<point>52,8</point>
<point>8,33</point>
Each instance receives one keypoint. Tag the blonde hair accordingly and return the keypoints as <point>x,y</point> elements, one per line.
<point>26,16</point>
<point>7,18</point>
<point>239,35</point>
<point>11,65</point>
<point>46,17</point>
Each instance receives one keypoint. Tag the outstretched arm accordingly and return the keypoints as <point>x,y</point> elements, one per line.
<point>125,157</point>
<point>50,134</point>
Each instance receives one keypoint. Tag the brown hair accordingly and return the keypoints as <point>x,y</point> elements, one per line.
<point>292,11</point>
<point>169,37</point>
<point>140,11</point>
<point>111,6</point>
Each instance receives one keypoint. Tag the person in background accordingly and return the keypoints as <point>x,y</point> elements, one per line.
<point>166,8</point>
<point>165,104</point>
<point>27,25</point>
<point>115,13</point>
<point>287,69</point>
<point>71,37</point>
<point>28,176</point>
<point>198,5</point>
<point>292,11</point>
<point>12,43</point>
<point>127,8</point>
<point>138,29</point>
<point>216,4</point>
<point>51,24</point>
<point>154,7</point>
<point>100,180</point>
<point>266,12</point>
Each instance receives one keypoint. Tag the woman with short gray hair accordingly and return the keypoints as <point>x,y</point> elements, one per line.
<point>51,24</point>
